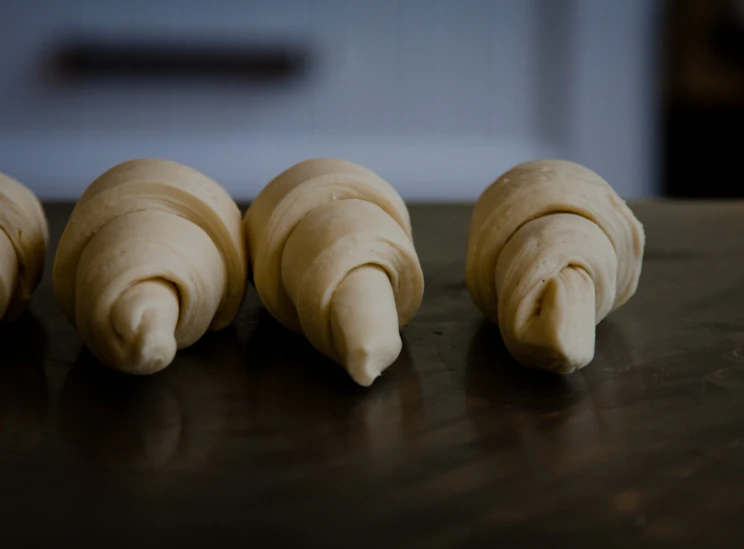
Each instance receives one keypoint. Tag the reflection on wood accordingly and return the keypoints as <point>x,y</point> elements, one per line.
<point>252,437</point>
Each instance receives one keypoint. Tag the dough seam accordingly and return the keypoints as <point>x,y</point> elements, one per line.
<point>565,212</point>
<point>538,305</point>
<point>90,237</point>
<point>162,279</point>
<point>21,270</point>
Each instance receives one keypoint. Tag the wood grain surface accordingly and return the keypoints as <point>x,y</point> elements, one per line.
<point>250,438</point>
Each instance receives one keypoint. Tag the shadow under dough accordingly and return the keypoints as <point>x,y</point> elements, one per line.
<point>308,409</point>
<point>172,419</point>
<point>24,392</point>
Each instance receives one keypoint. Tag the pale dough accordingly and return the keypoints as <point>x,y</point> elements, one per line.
<point>552,250</point>
<point>153,256</point>
<point>23,240</point>
<point>333,258</point>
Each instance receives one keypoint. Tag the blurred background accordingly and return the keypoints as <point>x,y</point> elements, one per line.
<point>439,97</point>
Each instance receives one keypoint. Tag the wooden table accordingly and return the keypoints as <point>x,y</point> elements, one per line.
<point>250,438</point>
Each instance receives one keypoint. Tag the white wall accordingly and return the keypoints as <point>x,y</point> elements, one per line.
<point>437,96</point>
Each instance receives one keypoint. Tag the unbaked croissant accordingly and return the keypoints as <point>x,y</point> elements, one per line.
<point>23,241</point>
<point>152,257</point>
<point>333,258</point>
<point>552,250</point>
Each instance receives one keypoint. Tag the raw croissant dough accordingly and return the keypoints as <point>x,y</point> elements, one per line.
<point>333,258</point>
<point>23,241</point>
<point>552,250</point>
<point>152,257</point>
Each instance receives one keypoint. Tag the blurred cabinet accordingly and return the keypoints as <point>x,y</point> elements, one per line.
<point>437,96</point>
<point>704,98</point>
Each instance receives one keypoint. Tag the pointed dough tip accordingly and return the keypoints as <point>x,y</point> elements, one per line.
<point>366,364</point>
<point>152,350</point>
<point>145,317</point>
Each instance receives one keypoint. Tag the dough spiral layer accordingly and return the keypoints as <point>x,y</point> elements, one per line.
<point>552,250</point>
<point>23,241</point>
<point>153,256</point>
<point>333,258</point>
